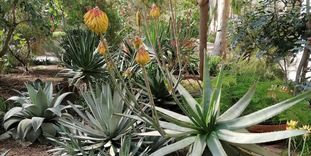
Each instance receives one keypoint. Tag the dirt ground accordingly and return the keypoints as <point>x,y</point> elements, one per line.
<point>16,149</point>
<point>17,78</point>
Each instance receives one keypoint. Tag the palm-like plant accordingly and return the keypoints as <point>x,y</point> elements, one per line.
<point>101,130</point>
<point>203,126</point>
<point>38,115</point>
<point>81,58</point>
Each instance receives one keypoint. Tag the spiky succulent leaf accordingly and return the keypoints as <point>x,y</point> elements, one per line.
<point>262,115</point>
<point>215,146</point>
<point>254,138</point>
<point>103,125</point>
<point>39,109</point>
<point>174,147</point>
<point>237,109</point>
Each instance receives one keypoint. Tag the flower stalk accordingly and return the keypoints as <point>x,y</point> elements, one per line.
<point>151,101</point>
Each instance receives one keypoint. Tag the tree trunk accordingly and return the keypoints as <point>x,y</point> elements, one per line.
<point>302,63</point>
<point>220,44</point>
<point>203,32</point>
<point>6,44</point>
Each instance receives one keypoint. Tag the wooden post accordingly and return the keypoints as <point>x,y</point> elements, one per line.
<point>204,8</point>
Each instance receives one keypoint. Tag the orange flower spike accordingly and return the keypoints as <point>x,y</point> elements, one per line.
<point>102,47</point>
<point>155,11</point>
<point>96,20</point>
<point>142,57</point>
<point>137,42</point>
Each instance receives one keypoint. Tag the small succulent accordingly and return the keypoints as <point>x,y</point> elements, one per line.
<point>202,128</point>
<point>100,130</point>
<point>39,112</point>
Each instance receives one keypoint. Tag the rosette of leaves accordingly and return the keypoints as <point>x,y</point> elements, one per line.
<point>100,130</point>
<point>38,115</point>
<point>202,128</point>
<point>81,58</point>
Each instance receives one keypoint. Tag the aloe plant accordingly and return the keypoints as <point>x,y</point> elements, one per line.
<point>81,58</point>
<point>38,114</point>
<point>101,129</point>
<point>205,130</point>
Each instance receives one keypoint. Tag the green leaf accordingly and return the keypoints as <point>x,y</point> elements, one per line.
<point>54,111</point>
<point>214,106</point>
<point>174,114</point>
<point>32,93</point>
<point>18,99</point>
<point>37,122</point>
<point>262,115</point>
<point>23,128</point>
<point>171,126</point>
<point>31,109</point>
<point>60,98</point>
<point>49,129</point>
<point>215,146</point>
<point>237,109</point>
<point>255,149</point>
<point>190,100</point>
<point>198,146</point>
<point>48,90</point>
<point>174,147</point>
<point>207,85</point>
<point>41,101</point>
<point>12,112</point>
<point>254,138</point>
<point>11,121</point>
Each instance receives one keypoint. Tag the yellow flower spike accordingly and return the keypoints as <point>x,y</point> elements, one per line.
<point>96,20</point>
<point>137,42</point>
<point>102,47</point>
<point>142,57</point>
<point>138,18</point>
<point>155,11</point>
<point>292,124</point>
<point>306,128</point>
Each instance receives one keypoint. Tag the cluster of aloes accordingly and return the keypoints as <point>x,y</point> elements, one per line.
<point>200,126</point>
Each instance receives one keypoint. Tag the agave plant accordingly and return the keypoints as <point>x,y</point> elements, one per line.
<point>206,131</point>
<point>38,115</point>
<point>101,130</point>
<point>81,58</point>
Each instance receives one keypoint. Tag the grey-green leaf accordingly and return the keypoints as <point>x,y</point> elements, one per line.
<point>174,147</point>
<point>237,109</point>
<point>215,146</point>
<point>198,146</point>
<point>254,138</point>
<point>37,122</point>
<point>262,115</point>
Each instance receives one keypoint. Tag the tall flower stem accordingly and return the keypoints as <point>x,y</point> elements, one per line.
<point>154,113</point>
<point>289,146</point>
<point>304,145</point>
